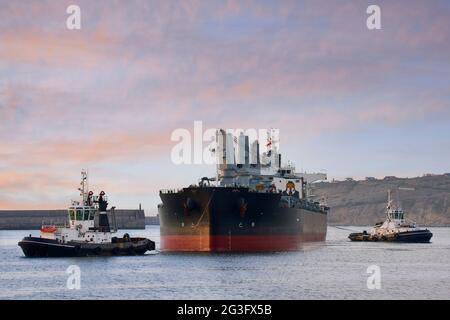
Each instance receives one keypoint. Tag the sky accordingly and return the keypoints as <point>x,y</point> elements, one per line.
<point>352,101</point>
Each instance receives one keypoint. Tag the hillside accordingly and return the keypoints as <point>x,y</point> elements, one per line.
<point>364,202</point>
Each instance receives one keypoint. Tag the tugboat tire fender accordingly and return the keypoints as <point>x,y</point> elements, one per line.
<point>150,246</point>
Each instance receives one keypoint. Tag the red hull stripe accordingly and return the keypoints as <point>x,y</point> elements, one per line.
<point>237,243</point>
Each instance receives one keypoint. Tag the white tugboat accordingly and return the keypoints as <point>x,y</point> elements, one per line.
<point>395,228</point>
<point>88,233</point>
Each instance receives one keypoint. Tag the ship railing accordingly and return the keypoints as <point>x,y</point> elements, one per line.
<point>56,225</point>
<point>313,206</point>
<point>170,190</point>
<point>166,191</point>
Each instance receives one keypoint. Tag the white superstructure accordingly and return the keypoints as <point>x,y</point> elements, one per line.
<point>88,220</point>
<point>239,163</point>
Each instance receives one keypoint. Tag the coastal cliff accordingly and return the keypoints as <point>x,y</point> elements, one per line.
<point>424,199</point>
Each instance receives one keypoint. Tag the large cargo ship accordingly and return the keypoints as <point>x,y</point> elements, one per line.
<point>251,205</point>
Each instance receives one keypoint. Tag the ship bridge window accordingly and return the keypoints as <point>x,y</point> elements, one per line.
<point>398,214</point>
<point>86,213</point>
<point>91,214</point>
<point>79,214</point>
<point>72,214</point>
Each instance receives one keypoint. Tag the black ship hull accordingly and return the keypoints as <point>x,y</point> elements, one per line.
<point>422,236</point>
<point>415,236</point>
<point>226,219</point>
<point>40,247</point>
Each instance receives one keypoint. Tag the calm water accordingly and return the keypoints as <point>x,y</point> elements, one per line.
<point>335,270</point>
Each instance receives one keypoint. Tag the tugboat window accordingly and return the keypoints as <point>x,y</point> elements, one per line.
<point>86,214</point>
<point>79,214</point>
<point>72,214</point>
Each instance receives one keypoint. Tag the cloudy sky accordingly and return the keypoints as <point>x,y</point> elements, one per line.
<point>352,101</point>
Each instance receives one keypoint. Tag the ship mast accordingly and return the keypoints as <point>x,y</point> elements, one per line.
<point>84,189</point>
<point>389,205</point>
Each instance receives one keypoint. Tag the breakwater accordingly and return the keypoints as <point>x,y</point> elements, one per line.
<point>152,220</point>
<point>33,219</point>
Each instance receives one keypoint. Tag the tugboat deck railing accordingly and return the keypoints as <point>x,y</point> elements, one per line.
<point>55,225</point>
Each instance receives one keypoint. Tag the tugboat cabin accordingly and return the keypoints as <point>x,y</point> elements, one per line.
<point>80,214</point>
<point>82,217</point>
<point>396,214</point>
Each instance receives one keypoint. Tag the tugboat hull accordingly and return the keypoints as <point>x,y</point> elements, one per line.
<point>40,247</point>
<point>423,236</point>
<point>417,236</point>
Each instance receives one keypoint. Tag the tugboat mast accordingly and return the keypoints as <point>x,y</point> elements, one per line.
<point>84,189</point>
<point>389,205</point>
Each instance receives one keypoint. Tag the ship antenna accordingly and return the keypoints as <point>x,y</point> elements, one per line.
<point>389,199</point>
<point>84,186</point>
<point>389,205</point>
<point>269,141</point>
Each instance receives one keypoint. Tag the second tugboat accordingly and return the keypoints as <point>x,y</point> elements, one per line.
<point>396,228</point>
<point>88,234</point>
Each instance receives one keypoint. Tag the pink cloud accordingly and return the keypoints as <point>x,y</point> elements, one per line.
<point>75,49</point>
<point>109,147</point>
<point>137,71</point>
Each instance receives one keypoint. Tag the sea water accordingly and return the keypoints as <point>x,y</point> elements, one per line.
<point>336,269</point>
